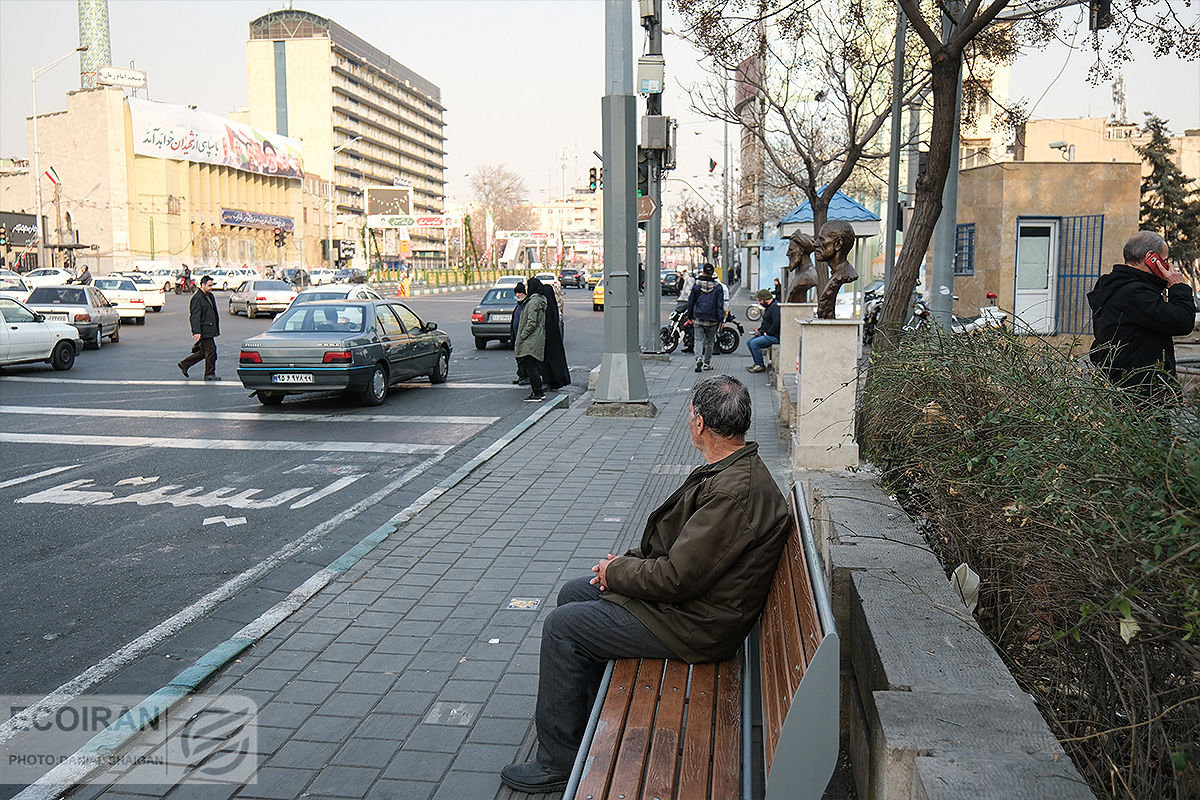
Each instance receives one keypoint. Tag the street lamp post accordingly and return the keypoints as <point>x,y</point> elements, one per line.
<point>329,199</point>
<point>37,164</point>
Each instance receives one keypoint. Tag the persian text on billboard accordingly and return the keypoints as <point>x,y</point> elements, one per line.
<point>162,130</point>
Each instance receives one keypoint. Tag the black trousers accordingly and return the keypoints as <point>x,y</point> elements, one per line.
<point>532,370</point>
<point>578,638</point>
<point>207,353</point>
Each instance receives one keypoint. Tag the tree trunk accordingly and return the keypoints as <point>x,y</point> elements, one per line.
<point>944,86</point>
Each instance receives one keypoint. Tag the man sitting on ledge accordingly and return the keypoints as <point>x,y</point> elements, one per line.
<point>692,590</point>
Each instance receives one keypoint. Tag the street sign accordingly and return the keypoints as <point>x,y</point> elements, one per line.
<point>119,76</point>
<point>646,208</point>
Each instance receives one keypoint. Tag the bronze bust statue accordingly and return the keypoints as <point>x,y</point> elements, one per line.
<point>833,246</point>
<point>803,271</point>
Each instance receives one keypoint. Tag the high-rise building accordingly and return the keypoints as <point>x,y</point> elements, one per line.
<point>362,116</point>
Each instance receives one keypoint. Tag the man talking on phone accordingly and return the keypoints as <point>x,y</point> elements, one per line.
<point>1136,309</point>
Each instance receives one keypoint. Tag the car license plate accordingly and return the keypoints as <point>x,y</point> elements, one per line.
<point>55,317</point>
<point>292,377</point>
<point>501,317</point>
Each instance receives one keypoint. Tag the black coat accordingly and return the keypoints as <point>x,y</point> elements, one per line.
<point>203,315</point>
<point>1133,326</point>
<point>770,321</point>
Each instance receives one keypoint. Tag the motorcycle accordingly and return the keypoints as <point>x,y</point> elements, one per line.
<point>872,308</point>
<point>679,328</point>
<point>988,317</point>
<point>184,285</point>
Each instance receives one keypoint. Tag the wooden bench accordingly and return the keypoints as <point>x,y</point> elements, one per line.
<point>661,729</point>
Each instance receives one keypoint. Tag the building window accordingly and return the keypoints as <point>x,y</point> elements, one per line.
<point>964,249</point>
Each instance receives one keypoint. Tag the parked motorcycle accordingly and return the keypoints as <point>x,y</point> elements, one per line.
<point>988,317</point>
<point>872,308</point>
<point>679,328</point>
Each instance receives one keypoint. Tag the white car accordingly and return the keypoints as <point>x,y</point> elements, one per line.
<point>509,280</point>
<point>125,297</point>
<point>260,296</point>
<point>48,277</point>
<point>164,277</point>
<point>153,293</point>
<point>12,287</point>
<point>320,275</point>
<point>27,337</point>
<point>337,291</point>
<point>225,279</point>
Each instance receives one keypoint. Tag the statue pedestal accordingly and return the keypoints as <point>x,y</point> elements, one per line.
<point>828,383</point>
<point>790,315</point>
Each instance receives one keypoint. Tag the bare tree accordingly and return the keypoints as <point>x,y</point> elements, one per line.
<point>701,226</point>
<point>821,73</point>
<point>501,193</point>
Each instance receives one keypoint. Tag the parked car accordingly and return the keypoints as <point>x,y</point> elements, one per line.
<point>13,287</point>
<point>492,318</point>
<point>672,283</point>
<point>123,293</point>
<point>598,297</point>
<point>154,294</point>
<point>27,337</point>
<point>164,276</point>
<point>509,280</point>
<point>48,277</point>
<point>358,346</point>
<point>337,291</point>
<point>85,307</point>
<point>259,296</point>
<point>320,275</point>
<point>571,276</point>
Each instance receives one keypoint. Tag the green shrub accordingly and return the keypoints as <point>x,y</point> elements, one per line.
<point>1079,506</point>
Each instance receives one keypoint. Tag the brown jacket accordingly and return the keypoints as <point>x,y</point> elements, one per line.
<point>708,555</point>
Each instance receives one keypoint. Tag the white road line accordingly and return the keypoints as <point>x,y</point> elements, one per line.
<point>36,475</point>
<point>227,384</point>
<point>88,440</point>
<point>102,670</point>
<point>241,416</point>
<point>336,486</point>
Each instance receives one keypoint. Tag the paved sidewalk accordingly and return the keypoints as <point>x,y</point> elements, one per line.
<point>411,675</point>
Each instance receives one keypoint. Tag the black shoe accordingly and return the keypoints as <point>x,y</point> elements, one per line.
<point>518,381</point>
<point>212,377</point>
<point>535,398</point>
<point>687,351</point>
<point>182,369</point>
<point>532,778</point>
<point>699,366</point>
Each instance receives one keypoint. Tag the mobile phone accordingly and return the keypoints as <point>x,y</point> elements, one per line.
<point>1154,262</point>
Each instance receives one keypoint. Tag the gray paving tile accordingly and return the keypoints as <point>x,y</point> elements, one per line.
<point>459,785</point>
<point>409,765</point>
<point>343,781</point>
<point>385,789</point>
<point>278,783</point>
<point>306,692</point>
<point>497,730</point>
<point>347,704</point>
<point>283,715</point>
<point>390,727</point>
<point>376,753</point>
<point>436,738</point>
<point>303,755</point>
<point>326,728</point>
<point>483,758</point>
<point>328,671</point>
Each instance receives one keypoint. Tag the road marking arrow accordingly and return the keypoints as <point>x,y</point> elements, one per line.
<point>137,481</point>
<point>229,521</point>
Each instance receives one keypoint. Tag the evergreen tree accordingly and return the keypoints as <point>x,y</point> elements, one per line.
<point>1170,200</point>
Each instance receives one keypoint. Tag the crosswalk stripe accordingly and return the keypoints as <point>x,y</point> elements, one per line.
<point>241,416</point>
<point>96,440</point>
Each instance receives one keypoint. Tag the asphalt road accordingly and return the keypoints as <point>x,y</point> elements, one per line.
<point>145,512</point>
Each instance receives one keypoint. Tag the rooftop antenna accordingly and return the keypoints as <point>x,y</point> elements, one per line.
<point>1120,108</point>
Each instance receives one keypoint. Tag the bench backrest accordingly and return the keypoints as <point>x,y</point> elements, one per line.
<point>797,642</point>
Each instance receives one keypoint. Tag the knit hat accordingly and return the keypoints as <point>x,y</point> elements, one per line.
<point>765,294</point>
<point>520,288</point>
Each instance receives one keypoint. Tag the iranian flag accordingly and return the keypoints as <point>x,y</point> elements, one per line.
<point>52,175</point>
<point>711,165</point>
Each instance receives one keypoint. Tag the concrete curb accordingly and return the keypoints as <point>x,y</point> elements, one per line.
<point>91,758</point>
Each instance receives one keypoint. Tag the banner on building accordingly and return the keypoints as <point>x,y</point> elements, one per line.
<point>162,130</point>
<point>253,219</point>
<point>390,207</point>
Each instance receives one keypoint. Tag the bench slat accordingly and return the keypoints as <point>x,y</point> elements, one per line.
<point>635,743</point>
<point>668,726</point>
<point>727,738</point>
<point>783,658</point>
<point>696,759</point>
<point>594,784</point>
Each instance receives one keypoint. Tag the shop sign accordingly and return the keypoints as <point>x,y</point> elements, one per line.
<point>253,219</point>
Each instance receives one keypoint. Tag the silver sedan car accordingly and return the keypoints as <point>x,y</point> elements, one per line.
<point>261,296</point>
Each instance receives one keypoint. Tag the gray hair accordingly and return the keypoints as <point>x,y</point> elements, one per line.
<point>1141,244</point>
<point>724,404</point>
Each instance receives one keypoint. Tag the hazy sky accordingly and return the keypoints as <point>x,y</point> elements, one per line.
<point>521,79</point>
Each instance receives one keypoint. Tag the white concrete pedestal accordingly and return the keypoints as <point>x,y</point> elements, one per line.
<point>790,315</point>
<point>829,351</point>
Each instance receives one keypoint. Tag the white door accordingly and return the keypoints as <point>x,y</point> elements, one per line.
<point>1037,271</point>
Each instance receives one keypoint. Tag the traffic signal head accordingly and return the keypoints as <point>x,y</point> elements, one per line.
<point>602,177</point>
<point>279,237</point>
<point>592,179</point>
<point>643,172</point>
<point>3,236</point>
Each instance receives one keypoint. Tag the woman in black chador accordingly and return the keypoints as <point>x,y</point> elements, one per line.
<point>554,367</point>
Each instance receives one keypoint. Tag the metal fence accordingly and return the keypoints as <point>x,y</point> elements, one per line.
<point>1080,244</point>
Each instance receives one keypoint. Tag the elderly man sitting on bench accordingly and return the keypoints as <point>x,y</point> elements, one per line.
<point>692,589</point>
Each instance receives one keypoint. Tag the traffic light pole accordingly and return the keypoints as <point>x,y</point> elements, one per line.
<point>621,377</point>
<point>651,340</point>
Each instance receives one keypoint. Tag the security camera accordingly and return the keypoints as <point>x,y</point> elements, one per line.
<point>1058,145</point>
